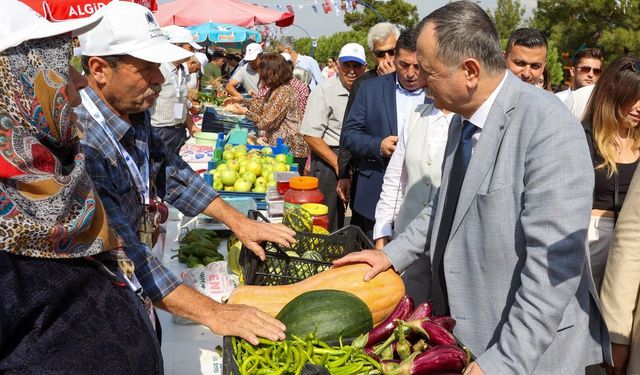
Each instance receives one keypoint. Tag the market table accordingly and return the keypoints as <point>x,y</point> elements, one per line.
<point>186,349</point>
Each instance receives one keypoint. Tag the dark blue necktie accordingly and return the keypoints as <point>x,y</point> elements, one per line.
<point>456,178</point>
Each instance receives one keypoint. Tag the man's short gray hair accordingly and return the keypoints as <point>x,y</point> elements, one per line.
<point>381,31</point>
<point>463,30</point>
<point>287,43</point>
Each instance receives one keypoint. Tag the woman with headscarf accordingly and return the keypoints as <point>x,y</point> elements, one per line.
<point>66,305</point>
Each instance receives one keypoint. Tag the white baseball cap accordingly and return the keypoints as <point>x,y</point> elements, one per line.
<point>352,52</point>
<point>253,50</point>
<point>130,29</point>
<point>180,35</point>
<point>19,23</point>
<point>286,56</point>
<point>202,59</point>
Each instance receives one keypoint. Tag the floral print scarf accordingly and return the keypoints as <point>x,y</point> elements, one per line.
<point>48,207</point>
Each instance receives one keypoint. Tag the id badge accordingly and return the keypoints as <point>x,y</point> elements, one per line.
<point>178,111</point>
<point>148,226</point>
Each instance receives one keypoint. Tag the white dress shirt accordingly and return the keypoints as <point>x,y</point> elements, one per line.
<point>396,175</point>
<point>406,103</point>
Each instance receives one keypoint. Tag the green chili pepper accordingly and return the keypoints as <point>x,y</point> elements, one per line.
<point>342,359</point>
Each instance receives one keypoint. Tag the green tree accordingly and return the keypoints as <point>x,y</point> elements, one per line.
<point>329,46</point>
<point>398,12</point>
<point>507,16</point>
<point>609,24</point>
<point>554,64</point>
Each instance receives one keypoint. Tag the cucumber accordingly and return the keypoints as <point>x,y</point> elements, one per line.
<point>331,314</point>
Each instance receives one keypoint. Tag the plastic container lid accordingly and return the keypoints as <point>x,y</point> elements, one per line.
<point>303,183</point>
<point>206,135</point>
<point>315,209</point>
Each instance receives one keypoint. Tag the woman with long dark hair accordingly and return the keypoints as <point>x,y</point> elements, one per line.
<point>611,124</point>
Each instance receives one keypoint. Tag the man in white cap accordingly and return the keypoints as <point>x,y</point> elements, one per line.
<point>131,166</point>
<point>322,124</point>
<point>246,75</point>
<point>169,116</point>
<point>198,61</point>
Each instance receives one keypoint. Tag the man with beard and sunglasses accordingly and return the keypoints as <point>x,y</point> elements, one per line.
<point>131,167</point>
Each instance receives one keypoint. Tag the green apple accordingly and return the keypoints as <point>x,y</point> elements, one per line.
<point>271,184</point>
<point>269,176</point>
<point>261,181</point>
<point>242,170</point>
<point>229,188</point>
<point>249,176</point>
<point>242,185</point>
<point>222,167</point>
<point>218,185</point>
<point>233,164</point>
<point>282,158</point>
<point>228,146</point>
<point>254,167</point>
<point>266,150</point>
<point>280,167</point>
<point>228,177</point>
<point>228,155</point>
<point>260,189</point>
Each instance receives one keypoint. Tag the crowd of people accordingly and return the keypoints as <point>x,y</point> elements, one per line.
<point>514,210</point>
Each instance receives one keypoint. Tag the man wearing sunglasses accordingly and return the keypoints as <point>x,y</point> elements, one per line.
<point>381,39</point>
<point>378,115</point>
<point>585,70</point>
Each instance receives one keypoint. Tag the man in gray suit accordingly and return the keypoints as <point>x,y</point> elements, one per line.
<point>508,235</point>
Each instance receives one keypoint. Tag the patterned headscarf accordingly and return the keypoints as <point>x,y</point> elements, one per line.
<point>48,207</point>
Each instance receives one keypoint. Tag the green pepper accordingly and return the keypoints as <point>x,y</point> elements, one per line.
<point>193,261</point>
<point>208,259</point>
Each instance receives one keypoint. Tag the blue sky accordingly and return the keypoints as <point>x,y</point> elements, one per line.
<point>319,24</point>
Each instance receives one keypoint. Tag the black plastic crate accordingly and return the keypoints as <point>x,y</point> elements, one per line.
<point>279,268</point>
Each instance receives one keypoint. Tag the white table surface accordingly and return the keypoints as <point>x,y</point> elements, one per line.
<point>186,349</point>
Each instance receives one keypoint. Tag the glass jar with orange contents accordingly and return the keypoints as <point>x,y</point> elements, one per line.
<point>302,190</point>
<point>320,214</point>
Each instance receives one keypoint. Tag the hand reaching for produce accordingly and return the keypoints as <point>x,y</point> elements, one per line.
<point>251,232</point>
<point>377,259</point>
<point>246,322</point>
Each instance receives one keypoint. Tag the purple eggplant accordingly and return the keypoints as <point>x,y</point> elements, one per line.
<point>437,359</point>
<point>422,311</point>
<point>435,334</point>
<point>445,322</point>
<point>382,331</point>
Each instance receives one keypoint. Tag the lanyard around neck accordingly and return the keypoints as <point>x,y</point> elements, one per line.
<point>140,175</point>
<point>177,83</point>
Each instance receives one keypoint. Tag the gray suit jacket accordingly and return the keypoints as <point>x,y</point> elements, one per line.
<point>516,264</point>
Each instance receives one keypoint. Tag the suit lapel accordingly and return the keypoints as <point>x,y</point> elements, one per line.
<point>389,97</point>
<point>487,148</point>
